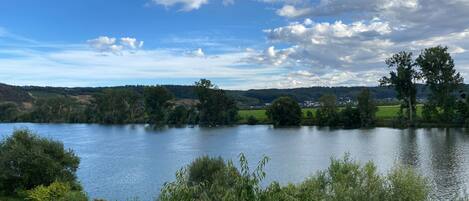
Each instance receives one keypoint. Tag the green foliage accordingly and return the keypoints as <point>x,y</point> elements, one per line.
<point>327,113</point>
<point>309,117</point>
<point>366,108</point>
<point>56,109</point>
<point>345,179</point>
<point>205,169</point>
<point>178,116</point>
<point>441,77</point>
<point>402,77</point>
<point>156,104</point>
<point>215,107</point>
<point>221,181</point>
<point>27,161</point>
<point>8,112</point>
<point>350,117</point>
<point>405,184</point>
<point>252,120</point>
<point>116,106</point>
<point>56,191</point>
<point>284,111</point>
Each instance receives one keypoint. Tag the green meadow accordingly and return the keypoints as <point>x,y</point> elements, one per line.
<point>384,113</point>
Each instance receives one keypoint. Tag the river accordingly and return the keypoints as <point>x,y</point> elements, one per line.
<point>125,161</point>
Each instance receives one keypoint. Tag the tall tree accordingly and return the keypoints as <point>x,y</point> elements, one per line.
<point>156,103</point>
<point>403,77</point>
<point>327,113</point>
<point>437,68</point>
<point>215,107</point>
<point>367,108</point>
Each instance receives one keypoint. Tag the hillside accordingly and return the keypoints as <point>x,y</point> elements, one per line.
<point>253,97</point>
<point>15,94</point>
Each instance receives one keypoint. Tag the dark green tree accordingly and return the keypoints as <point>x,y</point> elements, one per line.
<point>27,160</point>
<point>252,120</point>
<point>178,115</point>
<point>215,107</point>
<point>441,77</point>
<point>56,109</point>
<point>8,112</point>
<point>284,111</point>
<point>462,109</point>
<point>327,113</point>
<point>367,108</point>
<point>116,106</point>
<point>403,77</point>
<point>157,103</point>
<point>350,117</point>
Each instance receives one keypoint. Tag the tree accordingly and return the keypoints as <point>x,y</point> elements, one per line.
<point>403,77</point>
<point>178,116</point>
<point>252,120</point>
<point>215,107</point>
<point>8,112</point>
<point>327,113</point>
<point>366,108</point>
<point>57,109</point>
<point>350,117</point>
<point>27,160</point>
<point>116,106</point>
<point>437,68</point>
<point>156,103</point>
<point>284,111</point>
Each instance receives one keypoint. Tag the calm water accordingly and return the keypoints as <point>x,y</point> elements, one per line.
<point>120,162</point>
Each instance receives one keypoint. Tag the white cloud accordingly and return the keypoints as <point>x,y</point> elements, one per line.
<point>291,11</point>
<point>81,67</point>
<point>131,43</point>
<point>109,44</point>
<point>198,52</point>
<point>187,5</point>
<point>353,53</point>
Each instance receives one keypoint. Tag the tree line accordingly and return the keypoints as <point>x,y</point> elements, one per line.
<point>154,105</point>
<point>285,111</point>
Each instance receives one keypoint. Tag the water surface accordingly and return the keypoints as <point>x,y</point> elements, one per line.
<point>126,161</point>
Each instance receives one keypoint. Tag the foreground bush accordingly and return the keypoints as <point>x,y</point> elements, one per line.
<point>57,191</point>
<point>343,180</point>
<point>28,161</point>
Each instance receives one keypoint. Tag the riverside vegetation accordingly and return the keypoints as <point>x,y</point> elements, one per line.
<point>40,169</point>
<point>447,103</point>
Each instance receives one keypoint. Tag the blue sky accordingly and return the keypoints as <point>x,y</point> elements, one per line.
<point>237,44</point>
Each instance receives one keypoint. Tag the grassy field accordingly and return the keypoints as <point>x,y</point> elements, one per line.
<point>384,113</point>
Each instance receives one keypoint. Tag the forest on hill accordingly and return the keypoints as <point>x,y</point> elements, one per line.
<point>244,98</point>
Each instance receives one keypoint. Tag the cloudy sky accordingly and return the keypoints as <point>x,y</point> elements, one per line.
<point>239,44</point>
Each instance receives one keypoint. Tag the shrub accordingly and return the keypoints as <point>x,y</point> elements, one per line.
<point>27,161</point>
<point>57,191</point>
<point>345,179</point>
<point>252,120</point>
<point>227,182</point>
<point>205,169</point>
